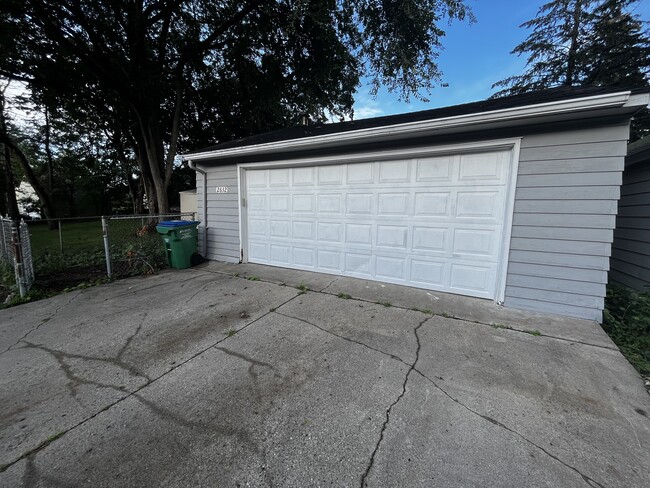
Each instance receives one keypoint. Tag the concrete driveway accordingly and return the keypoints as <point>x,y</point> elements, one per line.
<point>236,375</point>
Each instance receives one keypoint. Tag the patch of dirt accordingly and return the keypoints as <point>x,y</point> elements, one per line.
<point>69,277</point>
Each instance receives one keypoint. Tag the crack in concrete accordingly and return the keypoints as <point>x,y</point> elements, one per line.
<point>133,292</point>
<point>252,369</point>
<point>331,283</point>
<point>201,290</point>
<point>443,315</point>
<point>390,408</point>
<point>129,339</point>
<point>413,367</point>
<point>586,479</point>
<point>60,356</point>
<point>392,356</point>
<point>44,444</point>
<point>43,322</point>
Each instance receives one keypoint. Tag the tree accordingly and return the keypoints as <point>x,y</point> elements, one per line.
<point>555,48</point>
<point>617,49</point>
<point>584,43</point>
<point>148,67</point>
<point>10,203</point>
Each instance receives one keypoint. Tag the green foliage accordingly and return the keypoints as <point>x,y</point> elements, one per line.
<point>627,321</point>
<point>344,296</point>
<point>140,79</point>
<point>584,43</point>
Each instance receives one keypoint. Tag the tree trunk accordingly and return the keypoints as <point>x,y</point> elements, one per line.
<point>573,47</point>
<point>12,202</point>
<point>48,153</point>
<point>46,202</point>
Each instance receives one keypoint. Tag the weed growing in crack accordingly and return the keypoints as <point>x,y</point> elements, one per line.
<point>500,326</point>
<point>253,278</point>
<point>272,309</point>
<point>446,315</point>
<point>230,332</point>
<point>344,296</point>
<point>303,287</point>
<point>386,304</point>
<point>535,332</point>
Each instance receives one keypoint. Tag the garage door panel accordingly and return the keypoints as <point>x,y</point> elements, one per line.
<point>330,204</point>
<point>358,264</point>
<point>330,260</point>
<point>279,177</point>
<point>431,222</point>
<point>304,257</point>
<point>390,268</point>
<point>330,175</point>
<point>477,204</point>
<point>279,202</point>
<point>304,230</point>
<point>303,176</point>
<point>360,173</point>
<point>475,243</point>
<point>395,172</point>
<point>470,278</point>
<point>391,236</point>
<point>304,203</point>
<point>434,169</point>
<point>279,228</point>
<point>392,204</point>
<point>359,204</point>
<point>429,239</point>
<point>474,167</point>
<point>358,234</point>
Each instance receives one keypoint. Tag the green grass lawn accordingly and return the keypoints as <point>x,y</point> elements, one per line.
<point>77,237</point>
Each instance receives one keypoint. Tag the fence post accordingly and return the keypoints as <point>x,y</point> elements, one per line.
<point>107,250</point>
<point>18,259</point>
<point>4,239</point>
<point>60,237</point>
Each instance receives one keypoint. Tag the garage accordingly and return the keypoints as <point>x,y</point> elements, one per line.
<point>512,200</point>
<point>431,221</point>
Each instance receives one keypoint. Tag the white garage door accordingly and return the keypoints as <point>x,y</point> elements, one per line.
<point>430,222</point>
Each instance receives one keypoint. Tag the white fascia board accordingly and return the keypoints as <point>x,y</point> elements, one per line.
<point>611,100</point>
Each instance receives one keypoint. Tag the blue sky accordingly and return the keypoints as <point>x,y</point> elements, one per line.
<point>474,57</point>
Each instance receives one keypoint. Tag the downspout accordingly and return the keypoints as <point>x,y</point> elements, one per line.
<point>204,217</point>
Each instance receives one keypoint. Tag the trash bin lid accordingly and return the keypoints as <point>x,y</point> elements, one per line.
<point>178,223</point>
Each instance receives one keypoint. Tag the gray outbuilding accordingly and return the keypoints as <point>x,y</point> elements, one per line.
<point>630,263</point>
<point>512,200</point>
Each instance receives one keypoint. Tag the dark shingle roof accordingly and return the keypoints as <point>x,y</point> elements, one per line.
<point>533,98</point>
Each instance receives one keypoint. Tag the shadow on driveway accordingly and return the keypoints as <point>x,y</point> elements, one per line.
<point>284,378</point>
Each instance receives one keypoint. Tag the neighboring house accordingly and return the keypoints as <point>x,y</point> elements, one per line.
<point>630,263</point>
<point>188,201</point>
<point>512,200</point>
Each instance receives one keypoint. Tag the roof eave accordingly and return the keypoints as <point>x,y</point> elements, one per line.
<point>455,123</point>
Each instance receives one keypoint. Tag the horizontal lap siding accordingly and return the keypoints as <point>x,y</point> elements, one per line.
<point>631,249</point>
<point>223,214</point>
<point>564,216</point>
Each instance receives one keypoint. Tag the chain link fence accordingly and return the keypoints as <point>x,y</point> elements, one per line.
<point>16,255</point>
<point>132,245</point>
<point>68,252</point>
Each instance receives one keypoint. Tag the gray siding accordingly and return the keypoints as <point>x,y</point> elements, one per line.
<point>631,249</point>
<point>223,214</point>
<point>568,186</point>
<point>564,216</point>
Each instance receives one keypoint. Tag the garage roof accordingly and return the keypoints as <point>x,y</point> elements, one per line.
<point>527,105</point>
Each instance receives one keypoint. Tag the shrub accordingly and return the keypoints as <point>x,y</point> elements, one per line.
<point>627,321</point>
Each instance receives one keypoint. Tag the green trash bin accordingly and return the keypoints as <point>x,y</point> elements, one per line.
<point>181,241</point>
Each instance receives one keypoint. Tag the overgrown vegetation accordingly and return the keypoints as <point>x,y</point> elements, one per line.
<point>627,321</point>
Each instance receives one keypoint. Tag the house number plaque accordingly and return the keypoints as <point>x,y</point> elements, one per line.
<point>223,189</point>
